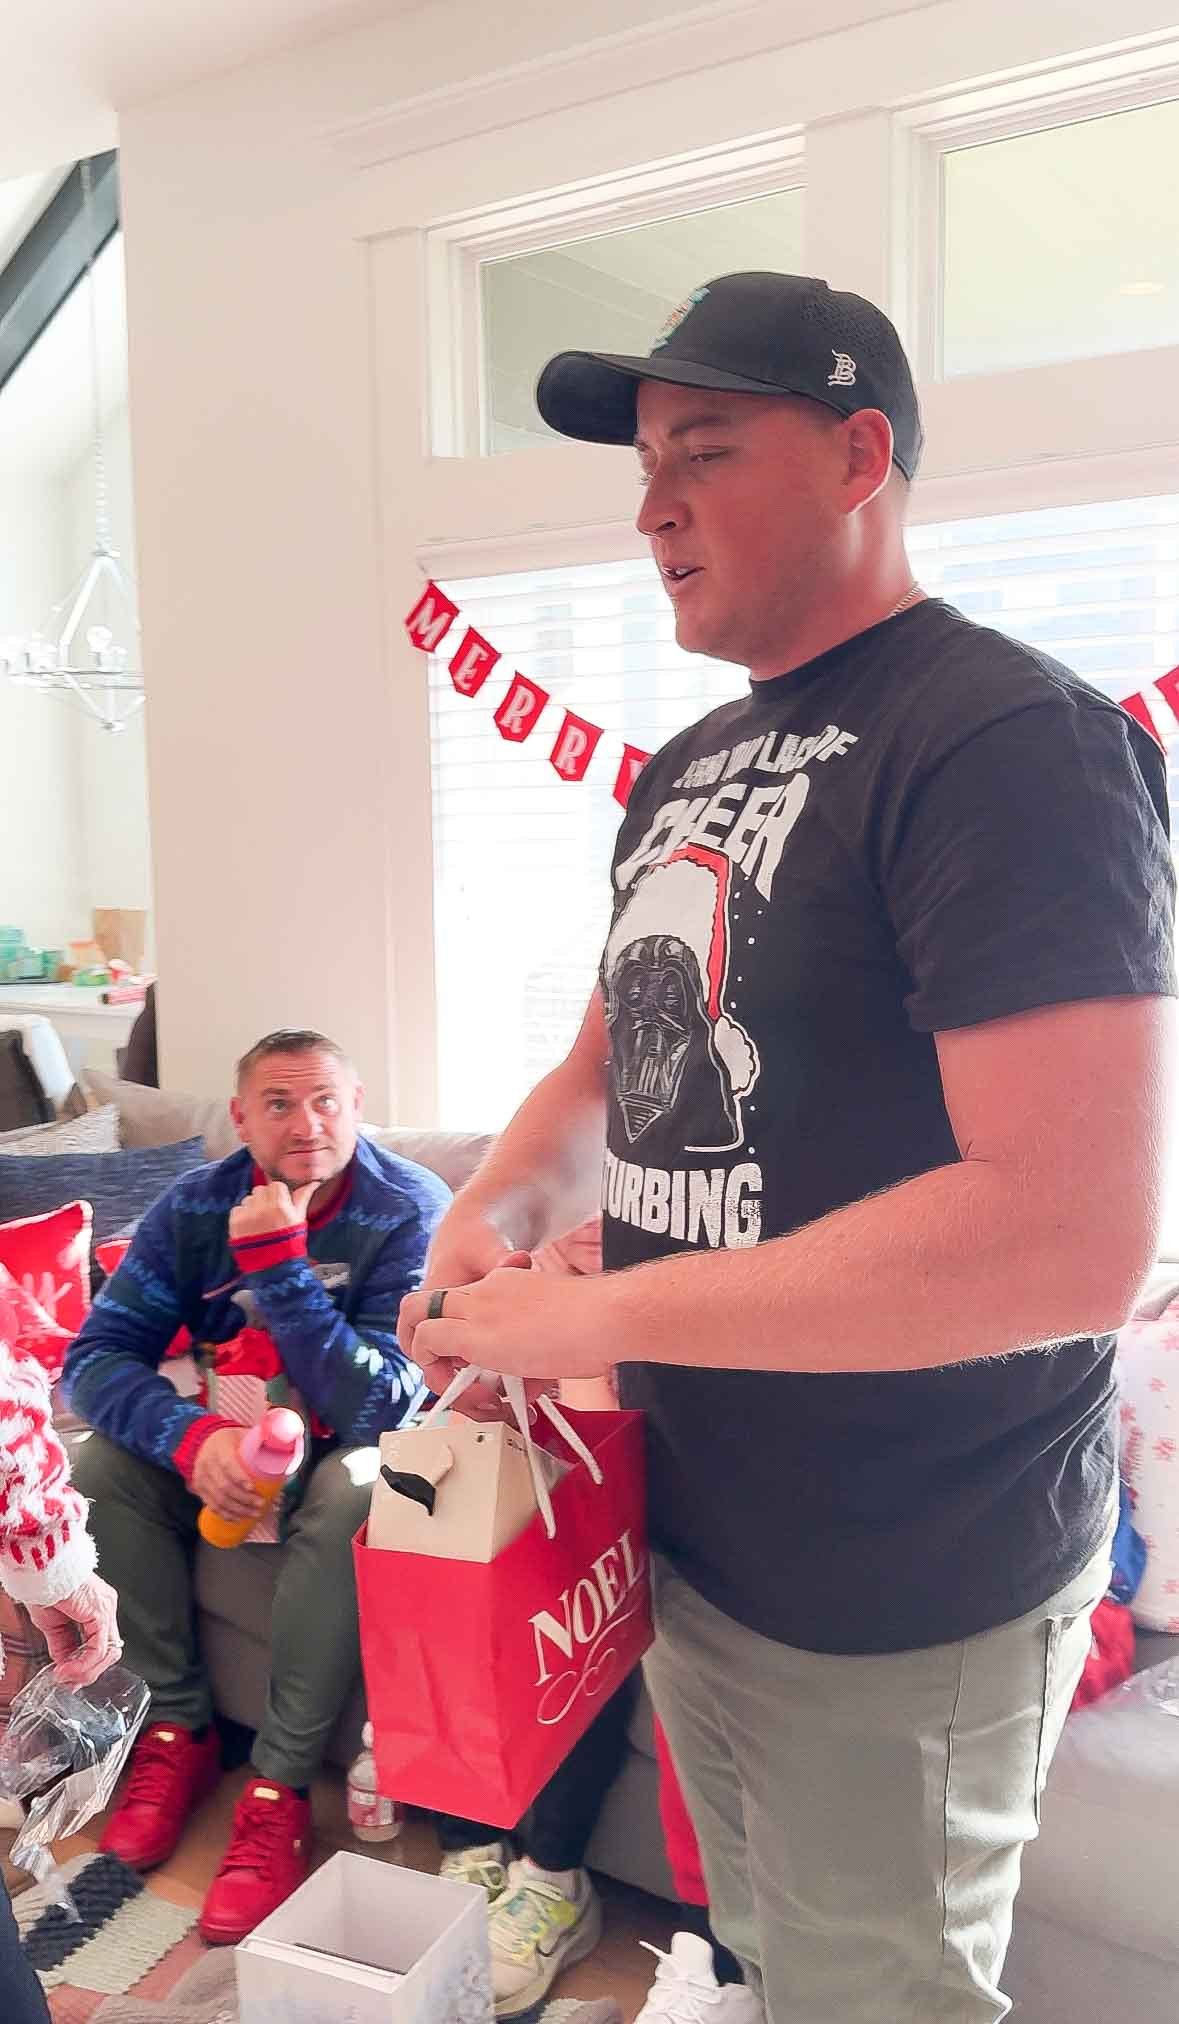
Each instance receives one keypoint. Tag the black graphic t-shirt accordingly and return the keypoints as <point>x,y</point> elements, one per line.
<point>928,827</point>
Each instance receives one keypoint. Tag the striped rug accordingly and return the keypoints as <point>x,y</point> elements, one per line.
<point>124,1934</point>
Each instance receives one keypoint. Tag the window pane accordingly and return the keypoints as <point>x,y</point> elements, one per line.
<point>613,293</point>
<point>1061,244</point>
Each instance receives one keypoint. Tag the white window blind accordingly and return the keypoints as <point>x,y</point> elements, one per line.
<point>1097,587</point>
<point>522,857</point>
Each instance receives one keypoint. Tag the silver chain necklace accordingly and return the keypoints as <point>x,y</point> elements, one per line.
<point>911,596</point>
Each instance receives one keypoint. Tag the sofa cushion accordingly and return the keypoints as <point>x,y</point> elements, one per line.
<point>94,1131</point>
<point>119,1186</point>
<point>1109,1841</point>
<point>452,1155</point>
<point>160,1117</point>
<point>238,1587</point>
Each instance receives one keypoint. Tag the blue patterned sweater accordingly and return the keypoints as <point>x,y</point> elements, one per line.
<point>327,1294</point>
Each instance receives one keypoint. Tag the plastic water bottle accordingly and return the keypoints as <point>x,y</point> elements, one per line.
<point>371,1816</point>
<point>270,1452</point>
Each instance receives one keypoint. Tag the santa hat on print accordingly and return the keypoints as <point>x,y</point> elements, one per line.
<point>679,910</point>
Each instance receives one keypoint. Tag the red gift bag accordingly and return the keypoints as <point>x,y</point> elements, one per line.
<point>481,1676</point>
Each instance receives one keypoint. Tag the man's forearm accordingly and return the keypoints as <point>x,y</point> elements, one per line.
<point>543,1175</point>
<point>963,1262</point>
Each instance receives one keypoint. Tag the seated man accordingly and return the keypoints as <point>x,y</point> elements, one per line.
<point>309,1236</point>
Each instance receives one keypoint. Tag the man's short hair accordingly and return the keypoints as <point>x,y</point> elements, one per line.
<point>289,1040</point>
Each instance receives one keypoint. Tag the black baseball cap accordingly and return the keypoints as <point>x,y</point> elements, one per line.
<point>747,334</point>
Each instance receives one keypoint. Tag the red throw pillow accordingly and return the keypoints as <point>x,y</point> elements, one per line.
<point>1111,1652</point>
<point>111,1254</point>
<point>26,1327</point>
<point>49,1257</point>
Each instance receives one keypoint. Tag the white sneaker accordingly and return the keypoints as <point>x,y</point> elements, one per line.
<point>486,1867</point>
<point>534,1931</point>
<point>686,1991</point>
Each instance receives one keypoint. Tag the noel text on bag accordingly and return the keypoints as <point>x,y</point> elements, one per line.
<point>586,1611</point>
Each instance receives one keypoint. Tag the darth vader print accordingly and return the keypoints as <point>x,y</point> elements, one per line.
<point>664,975</point>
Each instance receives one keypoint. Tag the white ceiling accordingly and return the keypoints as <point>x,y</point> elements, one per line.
<point>68,63</point>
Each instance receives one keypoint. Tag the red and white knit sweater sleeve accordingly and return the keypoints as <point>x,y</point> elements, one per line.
<point>45,1549</point>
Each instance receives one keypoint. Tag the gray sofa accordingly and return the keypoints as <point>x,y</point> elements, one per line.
<point>1096,1933</point>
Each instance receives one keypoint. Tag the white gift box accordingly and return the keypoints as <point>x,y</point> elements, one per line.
<point>366,1942</point>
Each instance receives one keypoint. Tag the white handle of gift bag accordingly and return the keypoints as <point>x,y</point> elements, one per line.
<point>517,1398</point>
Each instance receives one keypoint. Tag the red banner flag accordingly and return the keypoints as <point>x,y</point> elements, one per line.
<point>1168,688</point>
<point>430,618</point>
<point>1136,706</point>
<point>633,762</point>
<point>473,663</point>
<point>517,714</point>
<point>576,744</point>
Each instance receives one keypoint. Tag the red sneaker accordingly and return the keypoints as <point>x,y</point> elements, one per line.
<point>171,1772</point>
<point>268,1857</point>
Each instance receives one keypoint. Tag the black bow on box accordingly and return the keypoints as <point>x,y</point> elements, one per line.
<point>416,1488</point>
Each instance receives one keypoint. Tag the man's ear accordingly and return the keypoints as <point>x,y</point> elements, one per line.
<point>238,1115</point>
<point>359,1100</point>
<point>869,444</point>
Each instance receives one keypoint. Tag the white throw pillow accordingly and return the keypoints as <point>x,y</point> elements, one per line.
<point>1148,1361</point>
<point>95,1131</point>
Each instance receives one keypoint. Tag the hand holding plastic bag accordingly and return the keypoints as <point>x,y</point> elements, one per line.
<point>64,1750</point>
<point>81,1631</point>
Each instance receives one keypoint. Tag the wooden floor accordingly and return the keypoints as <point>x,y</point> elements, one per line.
<point>619,1967</point>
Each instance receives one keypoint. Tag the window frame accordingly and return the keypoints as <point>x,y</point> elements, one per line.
<point>1071,99</point>
<point>457,249</point>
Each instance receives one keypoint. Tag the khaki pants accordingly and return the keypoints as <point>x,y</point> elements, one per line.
<point>144,1521</point>
<point>862,1820</point>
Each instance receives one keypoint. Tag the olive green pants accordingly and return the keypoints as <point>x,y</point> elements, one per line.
<point>144,1520</point>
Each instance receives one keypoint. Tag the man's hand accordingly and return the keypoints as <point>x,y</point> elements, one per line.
<point>268,1209</point>
<point>466,1247</point>
<point>219,1479</point>
<point>82,1632</point>
<point>516,1322</point>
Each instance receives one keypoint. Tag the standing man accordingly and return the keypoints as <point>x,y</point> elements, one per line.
<point>877,1053</point>
<point>290,1259</point>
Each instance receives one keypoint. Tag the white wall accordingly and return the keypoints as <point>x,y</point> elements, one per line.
<point>111,766</point>
<point>279,324</point>
<point>73,798</point>
<point>42,875</point>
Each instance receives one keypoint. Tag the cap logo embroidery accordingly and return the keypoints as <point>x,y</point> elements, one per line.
<point>844,374</point>
<point>677,316</point>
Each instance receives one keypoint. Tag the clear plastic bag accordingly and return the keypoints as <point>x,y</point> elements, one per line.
<point>1158,1687</point>
<point>63,1751</point>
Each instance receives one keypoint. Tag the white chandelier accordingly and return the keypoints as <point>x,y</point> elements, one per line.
<point>89,647</point>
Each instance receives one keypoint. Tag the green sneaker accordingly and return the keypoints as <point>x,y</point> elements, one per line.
<point>535,1930</point>
<point>486,1867</point>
